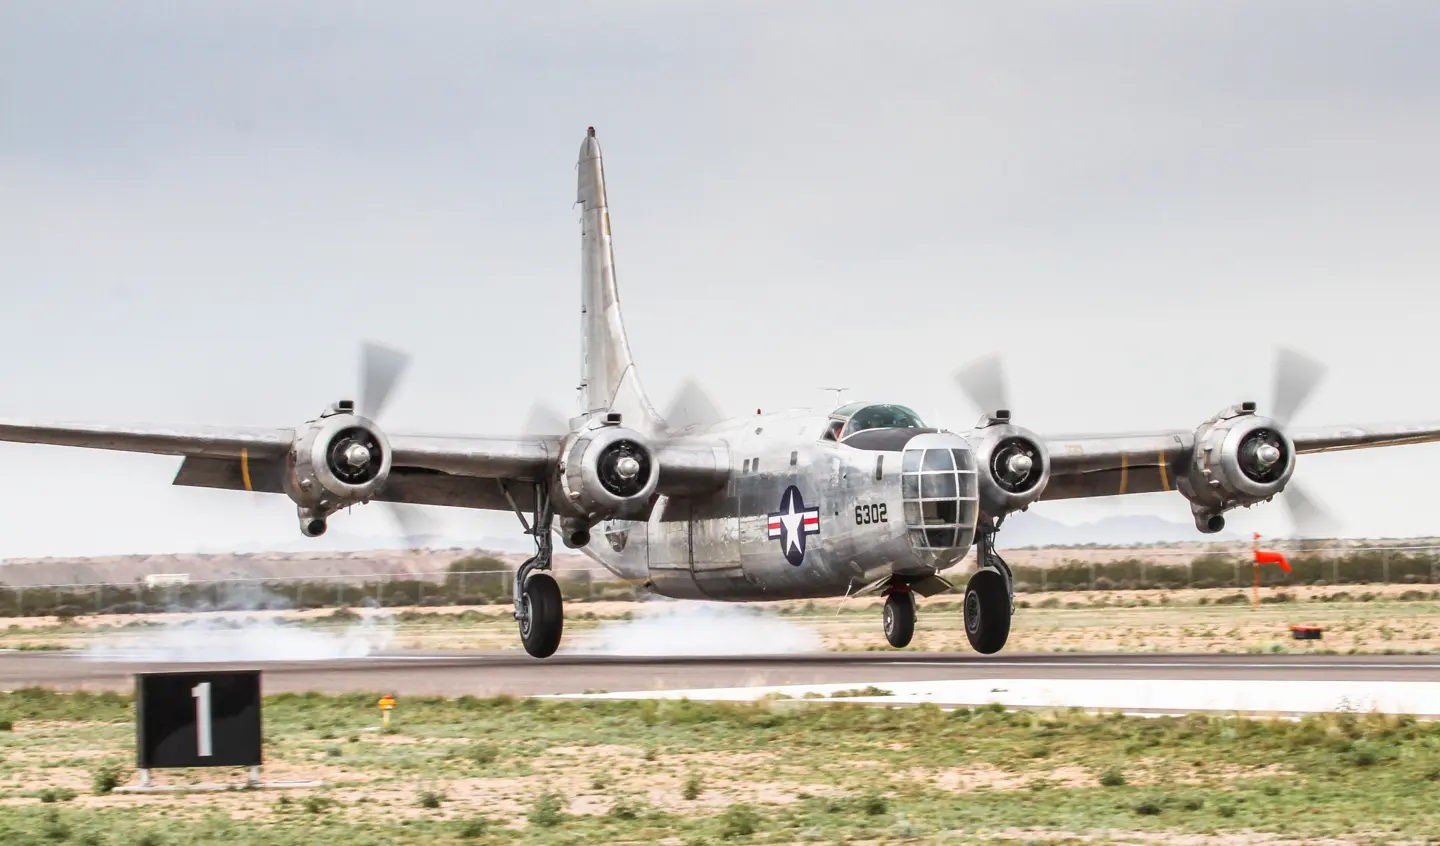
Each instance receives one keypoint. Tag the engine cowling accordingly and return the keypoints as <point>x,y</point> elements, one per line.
<point>1240,459</point>
<point>1013,466</point>
<point>336,461</point>
<point>606,473</point>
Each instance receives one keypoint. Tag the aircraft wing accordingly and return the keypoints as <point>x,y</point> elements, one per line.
<point>1112,465</point>
<point>426,469</point>
<point>464,471</point>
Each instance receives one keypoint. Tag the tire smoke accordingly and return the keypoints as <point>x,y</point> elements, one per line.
<point>685,627</point>
<point>248,639</point>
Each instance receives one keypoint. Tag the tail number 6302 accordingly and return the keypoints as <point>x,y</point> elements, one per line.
<point>865,514</point>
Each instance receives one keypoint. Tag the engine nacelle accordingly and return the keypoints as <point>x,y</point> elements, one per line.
<point>336,461</point>
<point>606,473</point>
<point>1012,463</point>
<point>1240,459</point>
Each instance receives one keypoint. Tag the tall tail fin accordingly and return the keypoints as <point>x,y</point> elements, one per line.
<point>608,378</point>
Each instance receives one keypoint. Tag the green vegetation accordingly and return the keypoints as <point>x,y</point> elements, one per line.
<point>778,771</point>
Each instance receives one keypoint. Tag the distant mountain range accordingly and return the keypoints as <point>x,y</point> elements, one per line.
<point>1031,530</point>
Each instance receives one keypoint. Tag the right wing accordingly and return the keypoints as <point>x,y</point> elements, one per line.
<point>426,469</point>
<point>464,471</point>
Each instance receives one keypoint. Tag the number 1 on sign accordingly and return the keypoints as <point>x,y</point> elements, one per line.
<point>201,693</point>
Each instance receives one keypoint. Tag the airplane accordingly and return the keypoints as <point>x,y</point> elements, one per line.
<point>866,499</point>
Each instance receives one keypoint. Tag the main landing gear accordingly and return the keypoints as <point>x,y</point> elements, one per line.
<point>538,605</point>
<point>989,597</point>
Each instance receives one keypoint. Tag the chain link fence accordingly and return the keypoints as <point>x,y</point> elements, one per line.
<point>387,590</point>
<point>1145,570</point>
<point>1160,570</point>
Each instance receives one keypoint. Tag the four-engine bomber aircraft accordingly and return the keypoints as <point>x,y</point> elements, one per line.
<point>866,499</point>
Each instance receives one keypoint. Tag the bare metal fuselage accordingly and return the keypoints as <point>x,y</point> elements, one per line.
<point>724,546</point>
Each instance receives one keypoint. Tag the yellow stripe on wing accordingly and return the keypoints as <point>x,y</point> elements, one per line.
<point>245,469</point>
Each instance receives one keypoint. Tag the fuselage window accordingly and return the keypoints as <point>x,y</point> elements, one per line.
<point>794,457</point>
<point>746,468</point>
<point>879,467</point>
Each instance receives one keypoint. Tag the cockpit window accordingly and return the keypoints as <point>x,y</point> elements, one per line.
<point>881,417</point>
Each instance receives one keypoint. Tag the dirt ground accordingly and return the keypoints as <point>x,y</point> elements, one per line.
<point>1369,619</point>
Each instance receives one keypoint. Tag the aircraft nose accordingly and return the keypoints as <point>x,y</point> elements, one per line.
<point>941,497</point>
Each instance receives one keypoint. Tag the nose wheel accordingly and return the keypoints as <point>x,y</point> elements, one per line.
<point>987,612</point>
<point>899,618</point>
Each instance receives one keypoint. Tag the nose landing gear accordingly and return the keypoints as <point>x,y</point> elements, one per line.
<point>899,618</point>
<point>989,597</point>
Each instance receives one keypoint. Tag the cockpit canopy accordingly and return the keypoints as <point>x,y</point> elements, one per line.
<point>860,416</point>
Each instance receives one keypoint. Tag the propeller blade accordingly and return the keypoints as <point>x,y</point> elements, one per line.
<point>1310,519</point>
<point>416,527</point>
<point>983,383</point>
<point>692,405</point>
<point>544,419</point>
<point>380,369</point>
<point>1296,376</point>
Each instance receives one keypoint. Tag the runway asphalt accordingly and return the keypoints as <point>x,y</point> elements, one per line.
<point>494,673</point>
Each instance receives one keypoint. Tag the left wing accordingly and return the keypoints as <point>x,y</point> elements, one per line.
<point>1113,465</point>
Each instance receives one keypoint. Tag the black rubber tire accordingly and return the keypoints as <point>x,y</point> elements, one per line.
<point>987,612</point>
<point>540,630</point>
<point>899,619</point>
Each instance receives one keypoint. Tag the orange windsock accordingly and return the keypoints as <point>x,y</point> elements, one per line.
<point>1265,557</point>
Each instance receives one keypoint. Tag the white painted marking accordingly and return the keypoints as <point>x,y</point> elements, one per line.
<point>1173,695</point>
<point>1159,664</point>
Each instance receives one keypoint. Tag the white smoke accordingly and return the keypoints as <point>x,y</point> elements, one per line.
<point>202,639</point>
<point>663,627</point>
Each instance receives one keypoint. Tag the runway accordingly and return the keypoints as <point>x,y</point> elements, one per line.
<point>1122,681</point>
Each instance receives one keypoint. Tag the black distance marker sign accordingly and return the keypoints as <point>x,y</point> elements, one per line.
<point>198,719</point>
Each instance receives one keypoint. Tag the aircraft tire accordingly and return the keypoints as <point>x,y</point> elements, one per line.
<point>545,616</point>
<point>987,612</point>
<point>899,619</point>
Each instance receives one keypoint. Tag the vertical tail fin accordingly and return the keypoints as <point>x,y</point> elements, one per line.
<point>608,378</point>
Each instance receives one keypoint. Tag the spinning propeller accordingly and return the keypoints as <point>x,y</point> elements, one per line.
<point>380,370</point>
<point>692,405</point>
<point>984,384</point>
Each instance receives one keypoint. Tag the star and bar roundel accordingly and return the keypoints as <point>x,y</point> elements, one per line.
<point>792,524</point>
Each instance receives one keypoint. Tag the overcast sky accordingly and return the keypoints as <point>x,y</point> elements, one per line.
<point>205,207</point>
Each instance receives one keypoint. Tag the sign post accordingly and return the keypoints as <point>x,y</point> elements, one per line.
<point>199,719</point>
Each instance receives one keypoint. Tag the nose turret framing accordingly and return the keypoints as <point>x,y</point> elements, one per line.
<point>941,496</point>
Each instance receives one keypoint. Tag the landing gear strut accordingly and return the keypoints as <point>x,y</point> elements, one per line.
<point>899,617</point>
<point>989,597</point>
<point>538,606</point>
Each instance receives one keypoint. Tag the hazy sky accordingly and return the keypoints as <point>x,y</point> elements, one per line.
<point>204,208</point>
